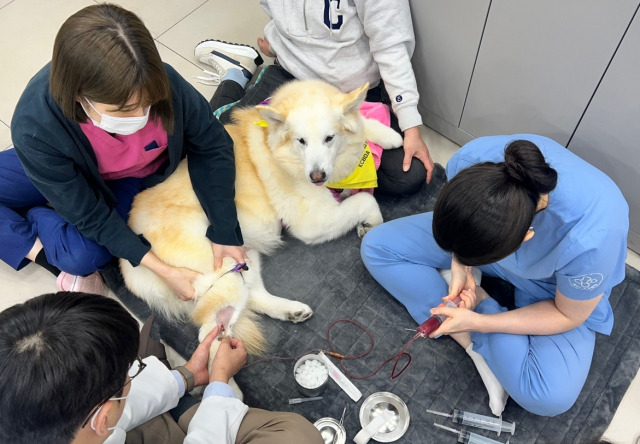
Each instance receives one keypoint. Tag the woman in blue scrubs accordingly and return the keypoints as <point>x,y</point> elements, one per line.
<point>525,209</point>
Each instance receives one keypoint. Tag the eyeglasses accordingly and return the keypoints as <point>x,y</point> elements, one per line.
<point>141,366</point>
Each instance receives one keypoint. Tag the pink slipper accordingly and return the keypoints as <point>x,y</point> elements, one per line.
<point>87,284</point>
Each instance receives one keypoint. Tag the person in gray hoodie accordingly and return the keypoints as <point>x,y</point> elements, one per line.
<point>346,43</point>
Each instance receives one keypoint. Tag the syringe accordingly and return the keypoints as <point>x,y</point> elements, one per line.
<point>467,437</point>
<point>480,421</point>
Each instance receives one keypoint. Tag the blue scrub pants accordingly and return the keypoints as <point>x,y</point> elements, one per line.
<point>25,216</point>
<point>544,374</point>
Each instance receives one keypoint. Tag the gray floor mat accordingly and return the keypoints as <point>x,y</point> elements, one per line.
<point>332,280</point>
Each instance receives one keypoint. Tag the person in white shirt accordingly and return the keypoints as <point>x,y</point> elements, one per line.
<point>69,373</point>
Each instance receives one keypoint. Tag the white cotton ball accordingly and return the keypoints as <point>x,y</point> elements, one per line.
<point>311,373</point>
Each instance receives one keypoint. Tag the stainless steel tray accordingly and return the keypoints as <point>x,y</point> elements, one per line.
<point>331,430</point>
<point>377,403</point>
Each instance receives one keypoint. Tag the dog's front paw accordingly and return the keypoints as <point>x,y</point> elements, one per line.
<point>363,229</point>
<point>372,220</point>
<point>298,312</point>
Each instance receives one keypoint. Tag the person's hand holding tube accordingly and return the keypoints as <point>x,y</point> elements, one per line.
<point>458,320</point>
<point>461,318</point>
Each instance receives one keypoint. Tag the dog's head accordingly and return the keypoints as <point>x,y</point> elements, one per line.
<point>317,123</point>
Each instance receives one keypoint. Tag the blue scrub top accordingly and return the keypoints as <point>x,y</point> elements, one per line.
<point>580,241</point>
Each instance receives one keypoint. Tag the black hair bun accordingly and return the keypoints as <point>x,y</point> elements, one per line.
<point>524,163</point>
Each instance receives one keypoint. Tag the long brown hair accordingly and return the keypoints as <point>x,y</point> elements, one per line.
<point>106,54</point>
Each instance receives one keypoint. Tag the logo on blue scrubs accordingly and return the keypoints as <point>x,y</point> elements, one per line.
<point>587,281</point>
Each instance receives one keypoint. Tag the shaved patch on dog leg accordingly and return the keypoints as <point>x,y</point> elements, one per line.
<point>223,317</point>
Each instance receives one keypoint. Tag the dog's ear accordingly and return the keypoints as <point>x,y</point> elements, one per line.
<point>350,105</point>
<point>354,99</point>
<point>271,115</point>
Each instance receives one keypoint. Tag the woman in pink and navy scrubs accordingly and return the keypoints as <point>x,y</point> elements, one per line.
<point>99,123</point>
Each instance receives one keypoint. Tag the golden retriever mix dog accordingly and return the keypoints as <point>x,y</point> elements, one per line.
<point>309,134</point>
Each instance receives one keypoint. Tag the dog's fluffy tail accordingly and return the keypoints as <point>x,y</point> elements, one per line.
<point>248,330</point>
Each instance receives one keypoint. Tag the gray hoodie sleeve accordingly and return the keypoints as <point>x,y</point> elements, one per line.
<point>348,43</point>
<point>388,26</point>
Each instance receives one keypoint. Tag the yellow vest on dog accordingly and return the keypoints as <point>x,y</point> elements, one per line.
<point>363,176</point>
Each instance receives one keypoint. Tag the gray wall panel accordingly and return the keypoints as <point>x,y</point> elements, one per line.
<point>539,63</point>
<point>609,134</point>
<point>448,34</point>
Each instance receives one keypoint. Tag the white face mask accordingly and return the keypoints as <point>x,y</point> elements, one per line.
<point>93,418</point>
<point>119,125</point>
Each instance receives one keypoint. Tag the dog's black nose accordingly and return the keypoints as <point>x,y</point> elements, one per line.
<point>317,176</point>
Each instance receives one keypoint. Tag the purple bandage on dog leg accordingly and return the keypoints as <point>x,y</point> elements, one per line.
<point>242,266</point>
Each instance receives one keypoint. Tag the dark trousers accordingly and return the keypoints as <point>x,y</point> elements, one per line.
<point>270,79</point>
<point>24,216</point>
<point>392,179</point>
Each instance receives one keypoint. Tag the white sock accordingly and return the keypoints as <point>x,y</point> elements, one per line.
<point>497,395</point>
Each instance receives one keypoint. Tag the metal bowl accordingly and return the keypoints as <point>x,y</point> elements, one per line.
<point>331,430</point>
<point>315,391</point>
<point>375,405</point>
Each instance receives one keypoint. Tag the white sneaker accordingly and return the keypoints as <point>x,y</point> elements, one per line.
<point>223,56</point>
